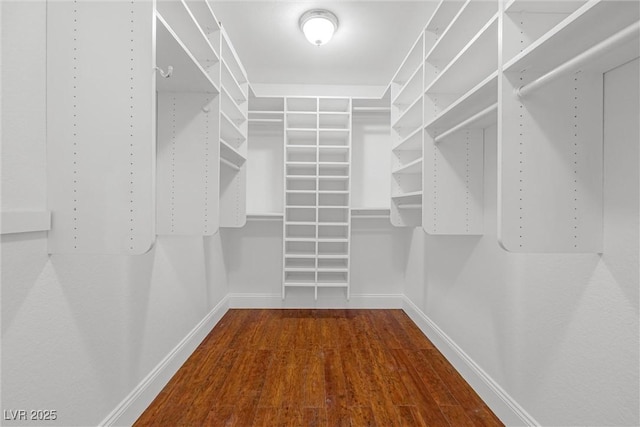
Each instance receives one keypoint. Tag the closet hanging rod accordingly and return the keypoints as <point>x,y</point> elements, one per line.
<point>229,163</point>
<point>490,109</point>
<point>574,63</point>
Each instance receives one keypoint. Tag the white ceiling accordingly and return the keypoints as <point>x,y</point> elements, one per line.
<point>372,40</point>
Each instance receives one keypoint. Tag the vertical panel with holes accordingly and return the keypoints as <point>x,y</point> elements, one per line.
<point>100,126</point>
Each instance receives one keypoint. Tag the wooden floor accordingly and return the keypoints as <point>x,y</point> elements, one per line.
<point>317,368</point>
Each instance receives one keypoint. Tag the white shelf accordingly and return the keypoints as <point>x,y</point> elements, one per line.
<point>267,216</point>
<point>543,6</point>
<point>410,63</point>
<point>231,84</point>
<point>334,177</point>
<point>411,142</point>
<point>300,269</point>
<point>477,60</point>
<point>205,17</point>
<point>231,109</point>
<point>300,191</point>
<point>300,255</point>
<point>413,167</point>
<point>445,11</point>
<point>230,57</point>
<point>300,284</point>
<point>229,131</point>
<point>233,156</point>
<point>592,23</point>
<point>299,239</point>
<point>410,90</point>
<point>411,118</point>
<point>24,221</point>
<point>187,75</point>
<point>178,16</point>
<point>414,197</point>
<point>467,22</point>
<point>478,98</point>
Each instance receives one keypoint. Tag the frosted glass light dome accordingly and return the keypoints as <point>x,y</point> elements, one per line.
<point>318,26</point>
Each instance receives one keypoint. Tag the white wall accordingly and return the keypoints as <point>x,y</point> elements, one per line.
<point>559,333</point>
<point>80,332</point>
<point>371,161</point>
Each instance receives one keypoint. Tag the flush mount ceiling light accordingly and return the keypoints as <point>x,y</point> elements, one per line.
<point>318,26</point>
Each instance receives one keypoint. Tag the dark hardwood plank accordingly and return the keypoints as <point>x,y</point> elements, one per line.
<point>362,416</point>
<point>314,417</point>
<point>317,368</point>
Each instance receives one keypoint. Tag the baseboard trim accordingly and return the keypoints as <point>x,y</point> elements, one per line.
<point>128,411</point>
<point>502,404</point>
<point>247,300</point>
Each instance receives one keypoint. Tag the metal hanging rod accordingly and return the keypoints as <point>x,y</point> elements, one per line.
<point>576,62</point>
<point>490,109</point>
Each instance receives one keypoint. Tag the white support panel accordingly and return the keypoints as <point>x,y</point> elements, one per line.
<point>187,164</point>
<point>550,167</point>
<point>24,221</point>
<point>233,196</point>
<point>453,184</point>
<point>100,127</point>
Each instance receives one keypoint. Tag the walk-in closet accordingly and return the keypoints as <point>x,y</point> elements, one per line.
<point>327,213</point>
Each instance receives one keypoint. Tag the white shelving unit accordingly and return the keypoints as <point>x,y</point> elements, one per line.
<point>317,163</point>
<point>460,96</point>
<point>189,119</point>
<point>406,137</point>
<point>234,129</point>
<point>550,133</point>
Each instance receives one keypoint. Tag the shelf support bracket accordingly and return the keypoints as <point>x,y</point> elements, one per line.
<point>164,74</point>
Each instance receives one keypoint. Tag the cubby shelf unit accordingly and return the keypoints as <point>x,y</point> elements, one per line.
<point>317,164</point>
<point>234,128</point>
<point>407,113</point>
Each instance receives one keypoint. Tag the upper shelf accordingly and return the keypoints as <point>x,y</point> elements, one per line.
<point>467,22</point>
<point>232,60</point>
<point>445,11</point>
<point>478,98</point>
<point>410,63</point>
<point>205,17</point>
<point>543,6</point>
<point>187,75</point>
<point>587,26</point>
<point>231,84</point>
<point>477,60</point>
<point>181,20</point>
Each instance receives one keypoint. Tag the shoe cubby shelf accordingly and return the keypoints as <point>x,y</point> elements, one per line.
<point>317,221</point>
